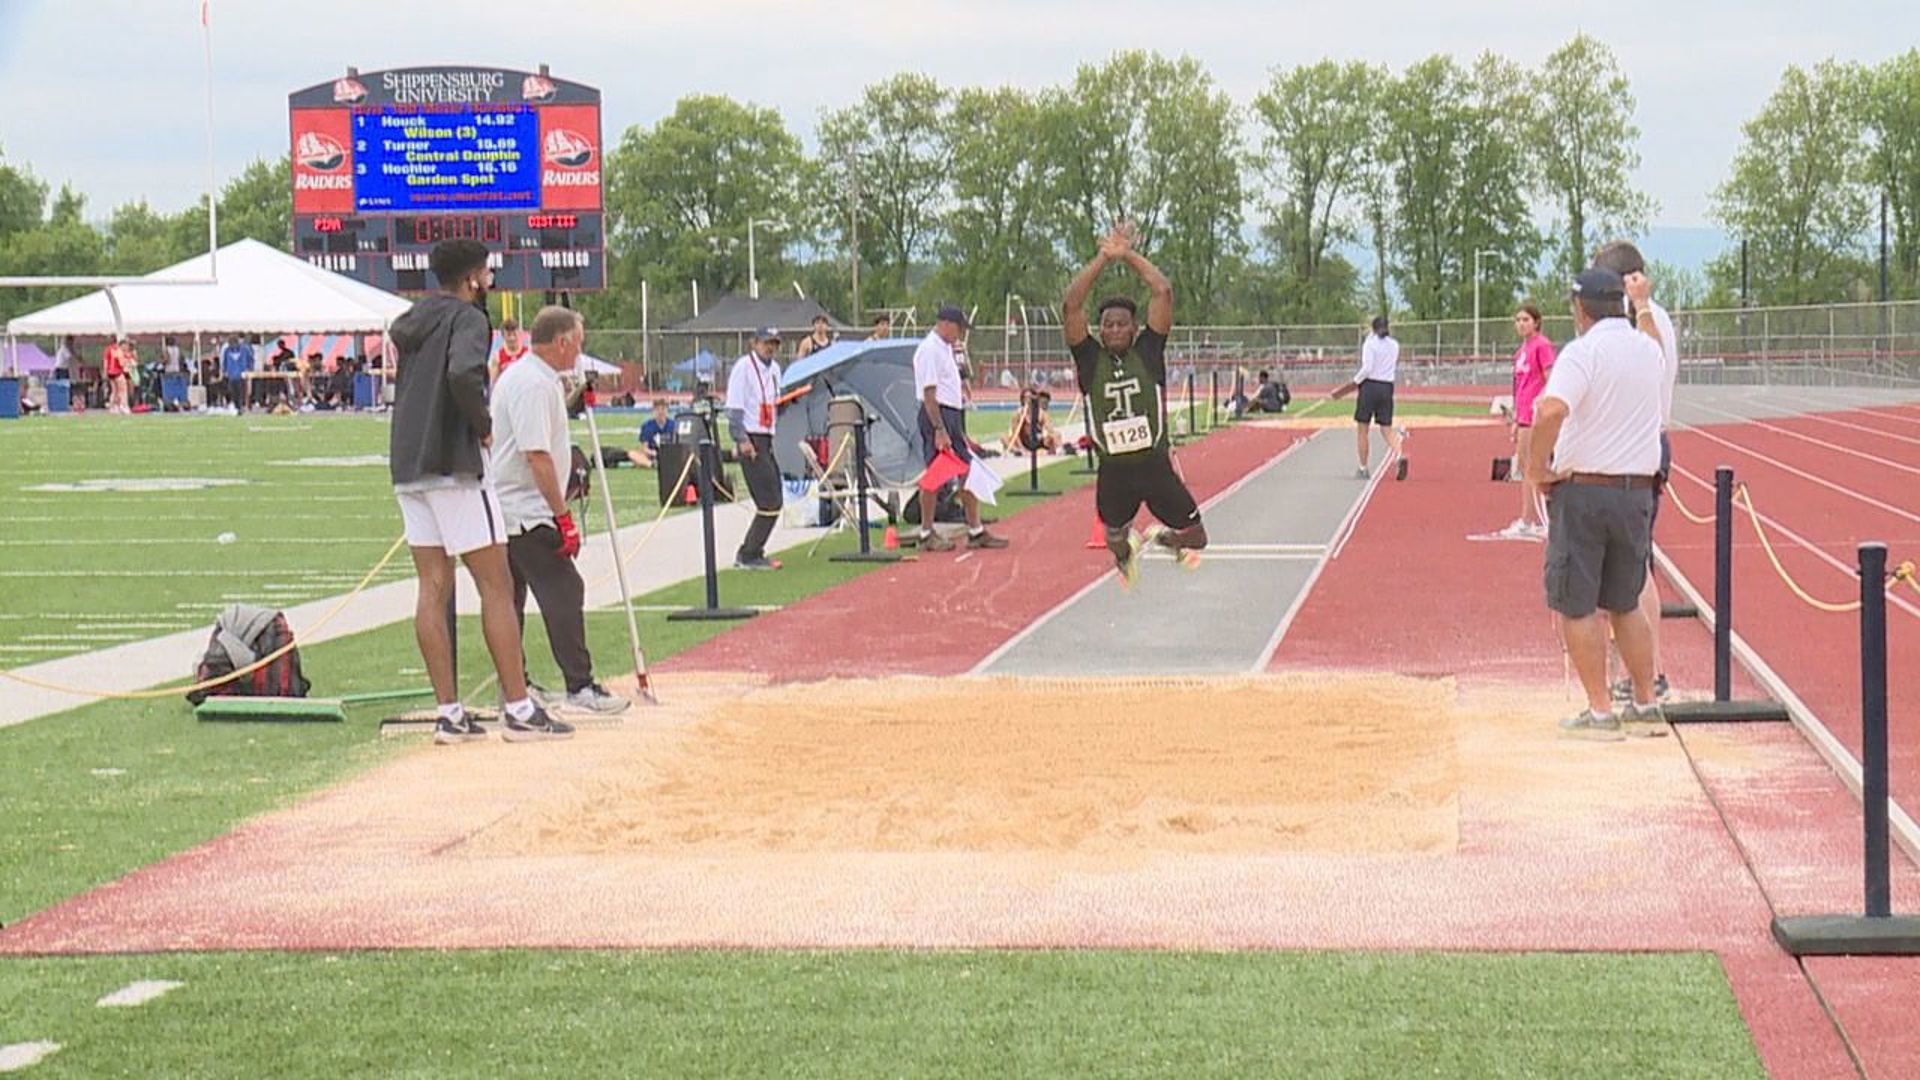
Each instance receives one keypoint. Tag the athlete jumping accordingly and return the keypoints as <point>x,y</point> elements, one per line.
<point>1123,375</point>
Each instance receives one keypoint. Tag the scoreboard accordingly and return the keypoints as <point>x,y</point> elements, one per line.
<point>388,164</point>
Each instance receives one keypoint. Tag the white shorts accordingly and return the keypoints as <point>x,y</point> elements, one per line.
<point>458,520</point>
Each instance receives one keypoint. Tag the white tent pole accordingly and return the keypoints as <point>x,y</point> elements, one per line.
<point>213,199</point>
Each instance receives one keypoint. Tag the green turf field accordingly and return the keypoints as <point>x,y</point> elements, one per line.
<point>859,1014</point>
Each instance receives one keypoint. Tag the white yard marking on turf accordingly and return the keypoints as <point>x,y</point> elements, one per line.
<point>79,637</point>
<point>138,993</point>
<point>355,462</point>
<point>137,485</point>
<point>1033,627</point>
<point>25,1055</point>
<point>36,648</point>
<point>109,772</point>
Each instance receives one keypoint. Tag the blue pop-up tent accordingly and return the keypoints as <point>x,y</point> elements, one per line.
<point>880,373</point>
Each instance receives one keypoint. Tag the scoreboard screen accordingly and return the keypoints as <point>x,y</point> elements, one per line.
<point>388,164</point>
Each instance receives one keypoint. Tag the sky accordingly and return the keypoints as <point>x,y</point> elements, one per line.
<point>109,94</point>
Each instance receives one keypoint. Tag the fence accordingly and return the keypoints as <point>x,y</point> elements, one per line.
<point>1836,344</point>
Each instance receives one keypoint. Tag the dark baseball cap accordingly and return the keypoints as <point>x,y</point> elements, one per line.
<point>953,315</point>
<point>1599,283</point>
<point>766,333</point>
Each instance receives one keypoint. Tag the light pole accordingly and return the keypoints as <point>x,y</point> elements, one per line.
<point>1011,297</point>
<point>1478,252</point>
<point>753,275</point>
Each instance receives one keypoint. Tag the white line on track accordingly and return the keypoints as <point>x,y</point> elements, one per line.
<point>1876,432</point>
<point>1792,434</point>
<point>1801,473</point>
<point>1033,627</point>
<point>1902,417</point>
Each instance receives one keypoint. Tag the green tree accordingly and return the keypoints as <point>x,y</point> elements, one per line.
<point>1797,194</point>
<point>23,199</point>
<point>258,204</point>
<point>892,152</point>
<point>1892,101</point>
<point>64,244</point>
<point>679,197</point>
<point>140,241</point>
<point>1154,140</point>
<point>1317,124</point>
<point>996,240</point>
<point>1582,135</point>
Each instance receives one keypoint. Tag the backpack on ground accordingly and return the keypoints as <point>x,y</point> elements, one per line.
<point>241,636</point>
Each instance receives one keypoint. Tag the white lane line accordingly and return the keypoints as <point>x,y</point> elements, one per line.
<point>1852,572</point>
<point>1876,432</point>
<point>1801,473</point>
<point>1825,743</point>
<point>25,1055</point>
<point>1347,525</point>
<point>1209,555</point>
<point>1353,512</point>
<point>1902,417</point>
<point>137,993</point>
<point>1033,627</point>
<point>1824,444</point>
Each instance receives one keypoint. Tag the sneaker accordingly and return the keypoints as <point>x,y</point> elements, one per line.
<point>450,732</point>
<point>933,541</point>
<point>1537,531</point>
<point>761,563</point>
<point>1400,470</point>
<point>1591,727</point>
<point>596,698</point>
<point>1644,721</point>
<point>985,539</point>
<point>1623,690</point>
<point>1130,562</point>
<point>535,728</point>
<point>1515,530</point>
<point>1361,473</point>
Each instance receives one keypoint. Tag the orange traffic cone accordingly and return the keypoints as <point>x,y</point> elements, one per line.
<point>690,496</point>
<point>1098,537</point>
<point>890,540</point>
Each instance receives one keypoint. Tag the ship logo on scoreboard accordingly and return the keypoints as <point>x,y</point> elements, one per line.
<point>349,91</point>
<point>319,152</point>
<point>568,149</point>
<point>537,89</point>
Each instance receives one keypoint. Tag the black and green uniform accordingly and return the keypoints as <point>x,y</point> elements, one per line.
<point>1127,420</point>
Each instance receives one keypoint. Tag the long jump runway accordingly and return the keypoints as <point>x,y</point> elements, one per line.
<point>1270,535</point>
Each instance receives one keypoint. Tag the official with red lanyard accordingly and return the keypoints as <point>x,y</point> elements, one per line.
<point>753,391</point>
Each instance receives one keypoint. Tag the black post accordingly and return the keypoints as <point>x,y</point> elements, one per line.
<point>709,459</point>
<point>1193,427</point>
<point>1213,399</point>
<point>866,552</point>
<point>1723,584</point>
<point>1873,725</point>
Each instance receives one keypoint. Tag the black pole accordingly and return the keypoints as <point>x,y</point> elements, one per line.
<point>1213,399</point>
<point>1723,583</point>
<point>866,552</point>
<point>1031,441</point>
<point>1193,428</point>
<point>1873,726</point>
<point>709,460</point>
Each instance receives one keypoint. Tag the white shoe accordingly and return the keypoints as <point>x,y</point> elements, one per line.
<point>596,698</point>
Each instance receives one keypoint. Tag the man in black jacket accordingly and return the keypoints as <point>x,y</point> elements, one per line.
<point>437,453</point>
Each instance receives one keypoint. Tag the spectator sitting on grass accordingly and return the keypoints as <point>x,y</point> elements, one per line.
<point>1270,396</point>
<point>1018,438</point>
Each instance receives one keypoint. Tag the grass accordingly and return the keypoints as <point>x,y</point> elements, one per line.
<point>849,1014</point>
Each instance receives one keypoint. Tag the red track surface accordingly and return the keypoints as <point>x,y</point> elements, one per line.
<point>944,613</point>
<point>1474,610</point>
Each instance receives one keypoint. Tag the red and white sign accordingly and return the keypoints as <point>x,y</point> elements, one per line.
<point>322,161</point>
<point>570,157</point>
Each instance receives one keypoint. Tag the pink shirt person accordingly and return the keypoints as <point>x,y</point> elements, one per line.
<point>1530,367</point>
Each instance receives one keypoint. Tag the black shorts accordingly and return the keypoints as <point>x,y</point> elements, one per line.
<point>955,422</point>
<point>1598,542</point>
<point>1125,483</point>
<point>1374,404</point>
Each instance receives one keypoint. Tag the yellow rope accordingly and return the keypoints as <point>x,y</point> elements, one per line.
<point>1905,571</point>
<point>147,695</point>
<point>1673,495</point>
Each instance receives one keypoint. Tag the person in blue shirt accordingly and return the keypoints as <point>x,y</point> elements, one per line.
<point>235,361</point>
<point>656,430</point>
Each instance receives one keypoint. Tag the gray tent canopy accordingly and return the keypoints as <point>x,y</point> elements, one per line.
<point>880,373</point>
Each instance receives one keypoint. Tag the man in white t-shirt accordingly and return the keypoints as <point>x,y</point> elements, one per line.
<point>943,425</point>
<point>753,412</point>
<point>1379,367</point>
<point>1652,320</point>
<point>532,454</point>
<point>1596,452</point>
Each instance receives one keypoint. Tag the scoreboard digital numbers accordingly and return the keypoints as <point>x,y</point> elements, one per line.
<point>388,164</point>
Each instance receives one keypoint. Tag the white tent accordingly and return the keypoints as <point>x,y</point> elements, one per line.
<point>261,290</point>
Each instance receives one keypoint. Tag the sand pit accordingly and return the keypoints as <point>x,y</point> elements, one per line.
<point>1101,767</point>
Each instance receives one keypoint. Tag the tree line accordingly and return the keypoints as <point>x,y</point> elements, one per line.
<point>1444,172</point>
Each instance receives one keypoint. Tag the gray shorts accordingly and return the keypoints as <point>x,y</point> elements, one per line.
<point>1598,542</point>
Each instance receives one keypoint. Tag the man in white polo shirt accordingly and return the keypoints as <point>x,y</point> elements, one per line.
<point>943,425</point>
<point>1595,451</point>
<point>1652,320</point>
<point>753,395</point>
<point>531,456</point>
